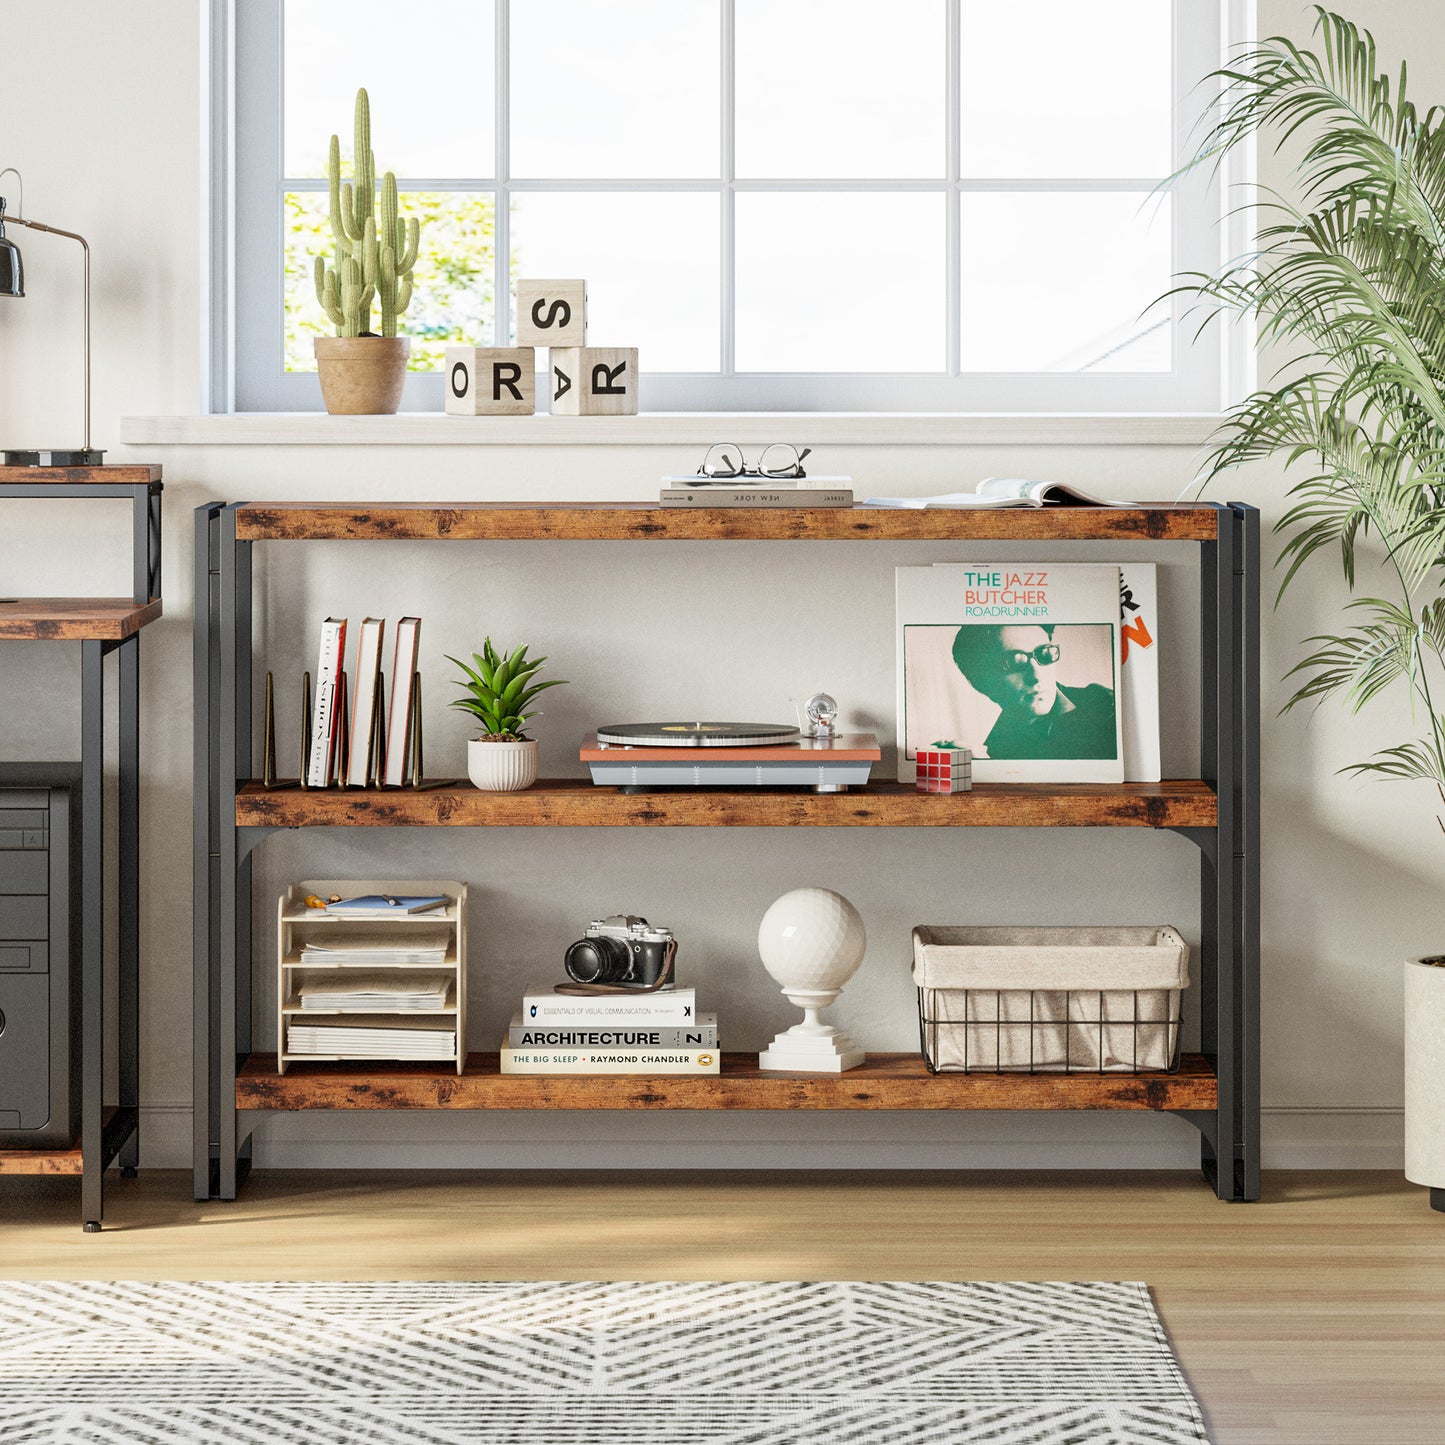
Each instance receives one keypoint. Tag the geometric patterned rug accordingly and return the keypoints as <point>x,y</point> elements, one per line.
<point>589,1364</point>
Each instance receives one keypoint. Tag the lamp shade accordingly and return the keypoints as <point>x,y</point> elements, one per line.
<point>12,272</point>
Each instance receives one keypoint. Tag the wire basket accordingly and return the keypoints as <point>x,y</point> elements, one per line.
<point>1106,1000</point>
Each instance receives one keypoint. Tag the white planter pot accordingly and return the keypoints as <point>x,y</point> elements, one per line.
<point>1425,1077</point>
<point>502,767</point>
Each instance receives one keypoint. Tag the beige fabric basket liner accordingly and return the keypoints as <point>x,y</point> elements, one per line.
<point>1111,958</point>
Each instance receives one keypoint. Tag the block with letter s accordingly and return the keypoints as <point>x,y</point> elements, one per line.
<point>490,380</point>
<point>593,380</point>
<point>552,313</point>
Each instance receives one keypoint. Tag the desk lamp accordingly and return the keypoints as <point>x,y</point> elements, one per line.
<point>12,283</point>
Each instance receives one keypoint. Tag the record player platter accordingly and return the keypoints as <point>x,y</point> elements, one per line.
<point>696,735</point>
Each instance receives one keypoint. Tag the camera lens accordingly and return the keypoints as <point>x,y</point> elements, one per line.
<point>598,960</point>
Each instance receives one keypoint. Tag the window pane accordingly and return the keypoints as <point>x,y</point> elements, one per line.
<point>617,89</point>
<point>828,281</point>
<point>429,78</point>
<point>1060,88</point>
<point>1065,282</point>
<point>453,284</point>
<point>650,262</point>
<point>840,88</point>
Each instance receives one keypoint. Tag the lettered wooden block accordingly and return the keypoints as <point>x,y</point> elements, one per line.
<point>551,313</point>
<point>593,380</point>
<point>491,380</point>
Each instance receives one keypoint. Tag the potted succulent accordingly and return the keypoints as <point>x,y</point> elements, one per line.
<point>362,371</point>
<point>1351,275</point>
<point>498,692</point>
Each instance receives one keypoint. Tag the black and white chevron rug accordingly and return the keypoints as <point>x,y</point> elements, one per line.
<point>588,1364</point>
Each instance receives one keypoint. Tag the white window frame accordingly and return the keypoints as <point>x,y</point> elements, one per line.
<point>245,169</point>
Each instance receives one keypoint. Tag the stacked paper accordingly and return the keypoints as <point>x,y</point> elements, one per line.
<point>416,1041</point>
<point>377,992</point>
<point>332,950</point>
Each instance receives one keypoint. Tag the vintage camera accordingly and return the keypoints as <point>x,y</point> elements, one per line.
<point>622,951</point>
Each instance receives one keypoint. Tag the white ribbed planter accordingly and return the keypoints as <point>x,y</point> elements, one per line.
<point>502,767</point>
<point>1425,1077</point>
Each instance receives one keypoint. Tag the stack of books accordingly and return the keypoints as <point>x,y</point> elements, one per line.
<point>644,1033</point>
<point>757,492</point>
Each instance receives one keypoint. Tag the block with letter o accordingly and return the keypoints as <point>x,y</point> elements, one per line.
<point>551,313</point>
<point>490,380</point>
<point>593,380</point>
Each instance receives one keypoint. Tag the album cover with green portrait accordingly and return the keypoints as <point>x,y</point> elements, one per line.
<point>1017,662</point>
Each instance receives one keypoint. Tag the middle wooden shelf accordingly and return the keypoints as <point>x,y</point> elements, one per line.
<point>578,803</point>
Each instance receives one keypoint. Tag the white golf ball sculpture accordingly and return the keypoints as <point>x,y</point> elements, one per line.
<point>812,942</point>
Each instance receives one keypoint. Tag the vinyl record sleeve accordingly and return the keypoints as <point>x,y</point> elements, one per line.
<point>1018,662</point>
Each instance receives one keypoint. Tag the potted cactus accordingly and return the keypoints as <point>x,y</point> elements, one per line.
<point>498,691</point>
<point>362,371</point>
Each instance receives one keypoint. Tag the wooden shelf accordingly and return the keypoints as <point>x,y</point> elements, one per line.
<point>886,1081</point>
<point>68,1160</point>
<point>577,803</point>
<point>119,476</point>
<point>642,521</point>
<point>74,619</point>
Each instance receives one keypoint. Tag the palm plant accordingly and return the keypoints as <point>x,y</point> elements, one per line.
<point>1352,277</point>
<point>498,690</point>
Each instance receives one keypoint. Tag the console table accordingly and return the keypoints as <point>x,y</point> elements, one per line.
<point>101,625</point>
<point>1217,1090</point>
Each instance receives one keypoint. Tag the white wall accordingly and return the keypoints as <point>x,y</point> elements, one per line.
<point>1350,870</point>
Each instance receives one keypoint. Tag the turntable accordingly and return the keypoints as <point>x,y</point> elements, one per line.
<point>638,756</point>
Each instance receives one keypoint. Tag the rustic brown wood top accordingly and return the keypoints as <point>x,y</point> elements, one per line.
<point>120,476</point>
<point>642,521</point>
<point>577,803</point>
<point>885,1081</point>
<point>74,619</point>
<point>40,1161</point>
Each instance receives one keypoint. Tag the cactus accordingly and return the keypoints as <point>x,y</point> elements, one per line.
<point>374,258</point>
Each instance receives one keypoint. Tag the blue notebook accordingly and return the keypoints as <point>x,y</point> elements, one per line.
<point>384,905</point>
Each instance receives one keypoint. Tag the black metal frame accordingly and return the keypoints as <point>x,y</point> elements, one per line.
<point>104,1141</point>
<point>1229,851</point>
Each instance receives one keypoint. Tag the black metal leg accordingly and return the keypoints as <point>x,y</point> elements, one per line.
<point>232,614</point>
<point>1437,1199</point>
<point>128,990</point>
<point>206,861</point>
<point>92,932</point>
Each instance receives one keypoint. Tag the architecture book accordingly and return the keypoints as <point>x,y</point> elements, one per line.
<point>1018,662</point>
<point>608,1061</point>
<point>523,1035</point>
<point>675,1006</point>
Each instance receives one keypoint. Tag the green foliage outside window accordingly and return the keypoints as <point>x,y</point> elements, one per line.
<point>453,297</point>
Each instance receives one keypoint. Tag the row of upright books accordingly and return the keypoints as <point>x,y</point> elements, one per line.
<point>641,1033</point>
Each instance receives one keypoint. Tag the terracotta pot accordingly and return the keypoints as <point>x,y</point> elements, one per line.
<point>362,375</point>
<point>502,767</point>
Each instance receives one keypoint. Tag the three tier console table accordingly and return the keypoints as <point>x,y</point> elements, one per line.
<point>101,625</point>
<point>1217,1089</point>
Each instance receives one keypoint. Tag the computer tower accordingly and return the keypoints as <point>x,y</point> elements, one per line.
<point>39,955</point>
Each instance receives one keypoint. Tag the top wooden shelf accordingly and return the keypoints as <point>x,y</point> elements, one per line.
<point>74,619</point>
<point>119,476</point>
<point>642,521</point>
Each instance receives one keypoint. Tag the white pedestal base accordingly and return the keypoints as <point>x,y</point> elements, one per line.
<point>802,1050</point>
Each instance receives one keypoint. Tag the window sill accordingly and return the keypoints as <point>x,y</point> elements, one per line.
<point>893,429</point>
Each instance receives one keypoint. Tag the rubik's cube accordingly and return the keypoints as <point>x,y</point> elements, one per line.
<point>945,768</point>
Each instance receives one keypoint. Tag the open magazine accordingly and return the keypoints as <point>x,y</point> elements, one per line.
<point>1002,492</point>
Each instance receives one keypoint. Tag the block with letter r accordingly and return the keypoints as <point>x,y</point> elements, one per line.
<point>551,313</point>
<point>490,380</point>
<point>593,380</point>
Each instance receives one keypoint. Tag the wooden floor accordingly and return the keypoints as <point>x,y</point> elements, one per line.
<point>1316,1317</point>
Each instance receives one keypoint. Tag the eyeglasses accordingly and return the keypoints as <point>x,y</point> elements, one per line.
<point>780,461</point>
<point>1046,654</point>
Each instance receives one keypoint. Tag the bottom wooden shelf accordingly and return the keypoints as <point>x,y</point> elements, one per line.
<point>886,1081</point>
<point>64,1161</point>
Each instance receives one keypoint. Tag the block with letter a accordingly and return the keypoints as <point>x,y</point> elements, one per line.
<point>551,313</point>
<point>594,380</point>
<point>491,380</point>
